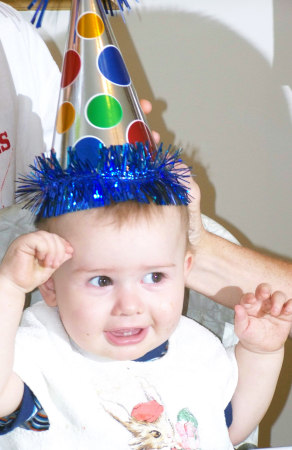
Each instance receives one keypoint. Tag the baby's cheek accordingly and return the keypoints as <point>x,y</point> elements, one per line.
<point>171,303</point>
<point>168,313</point>
<point>167,307</point>
<point>84,320</point>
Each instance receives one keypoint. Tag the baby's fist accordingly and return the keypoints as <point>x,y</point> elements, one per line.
<point>32,258</point>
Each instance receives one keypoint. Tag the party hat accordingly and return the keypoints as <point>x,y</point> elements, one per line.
<point>103,150</point>
<point>98,103</point>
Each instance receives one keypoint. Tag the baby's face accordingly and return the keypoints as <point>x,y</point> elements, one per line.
<point>121,294</point>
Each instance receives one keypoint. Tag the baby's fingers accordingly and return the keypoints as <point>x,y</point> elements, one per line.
<point>263,292</point>
<point>258,303</point>
<point>286,310</point>
<point>287,313</point>
<point>241,320</point>
<point>251,304</point>
<point>52,250</point>
<point>277,302</point>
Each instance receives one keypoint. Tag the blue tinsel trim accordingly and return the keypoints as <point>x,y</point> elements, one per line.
<point>120,3</point>
<point>42,6</point>
<point>119,174</point>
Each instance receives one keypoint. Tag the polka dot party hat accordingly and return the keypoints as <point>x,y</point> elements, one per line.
<point>98,103</point>
<point>103,150</point>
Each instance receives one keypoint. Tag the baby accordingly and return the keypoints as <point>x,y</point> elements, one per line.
<point>107,360</point>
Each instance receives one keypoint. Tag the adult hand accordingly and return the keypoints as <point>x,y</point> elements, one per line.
<point>196,229</point>
<point>147,108</point>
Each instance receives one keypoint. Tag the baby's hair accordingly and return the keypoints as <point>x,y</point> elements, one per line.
<point>123,213</point>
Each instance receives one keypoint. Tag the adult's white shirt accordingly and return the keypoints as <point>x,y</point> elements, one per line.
<point>29,87</point>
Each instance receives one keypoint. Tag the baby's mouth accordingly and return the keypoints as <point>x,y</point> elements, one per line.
<point>126,336</point>
<point>126,332</point>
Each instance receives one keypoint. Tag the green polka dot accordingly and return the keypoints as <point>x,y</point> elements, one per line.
<point>104,111</point>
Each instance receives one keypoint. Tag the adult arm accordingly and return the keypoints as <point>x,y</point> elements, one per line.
<point>223,270</point>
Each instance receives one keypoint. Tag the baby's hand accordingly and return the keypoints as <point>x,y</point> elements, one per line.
<point>263,320</point>
<point>32,258</point>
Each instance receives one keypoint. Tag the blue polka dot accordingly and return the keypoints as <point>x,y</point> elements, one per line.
<point>112,66</point>
<point>86,148</point>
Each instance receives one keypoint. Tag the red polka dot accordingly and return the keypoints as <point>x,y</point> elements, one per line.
<point>138,131</point>
<point>71,68</point>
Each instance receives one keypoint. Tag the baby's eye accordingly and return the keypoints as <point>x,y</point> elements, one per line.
<point>101,281</point>
<point>153,277</point>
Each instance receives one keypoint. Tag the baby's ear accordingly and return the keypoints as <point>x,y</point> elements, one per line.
<point>48,292</point>
<point>188,262</point>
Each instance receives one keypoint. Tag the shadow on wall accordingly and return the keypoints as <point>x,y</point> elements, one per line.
<point>282,66</point>
<point>223,102</point>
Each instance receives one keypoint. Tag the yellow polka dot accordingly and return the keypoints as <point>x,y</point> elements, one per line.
<point>90,26</point>
<point>65,117</point>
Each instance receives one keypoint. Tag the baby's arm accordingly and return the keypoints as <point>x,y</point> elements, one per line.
<point>262,324</point>
<point>29,261</point>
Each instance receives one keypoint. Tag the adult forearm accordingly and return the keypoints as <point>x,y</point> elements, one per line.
<point>223,270</point>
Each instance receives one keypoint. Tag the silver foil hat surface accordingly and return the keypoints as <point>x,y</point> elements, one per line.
<point>98,103</point>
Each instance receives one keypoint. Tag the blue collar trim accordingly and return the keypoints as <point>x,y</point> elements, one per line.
<point>156,353</point>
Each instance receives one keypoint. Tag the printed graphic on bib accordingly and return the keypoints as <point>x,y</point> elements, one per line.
<point>151,427</point>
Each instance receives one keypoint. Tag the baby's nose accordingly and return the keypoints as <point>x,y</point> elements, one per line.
<point>128,302</point>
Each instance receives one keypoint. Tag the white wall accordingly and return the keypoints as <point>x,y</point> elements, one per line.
<point>219,74</point>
